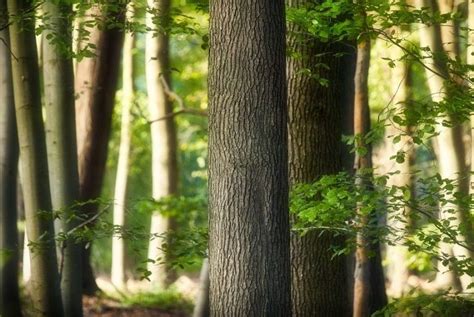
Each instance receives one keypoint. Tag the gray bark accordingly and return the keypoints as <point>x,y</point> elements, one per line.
<point>58,80</point>
<point>44,282</point>
<point>248,180</point>
<point>9,289</point>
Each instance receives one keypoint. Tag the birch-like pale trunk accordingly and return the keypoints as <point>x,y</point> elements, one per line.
<point>397,254</point>
<point>451,152</point>
<point>58,78</point>
<point>9,248</point>
<point>44,283</point>
<point>118,244</point>
<point>163,134</point>
<point>201,309</point>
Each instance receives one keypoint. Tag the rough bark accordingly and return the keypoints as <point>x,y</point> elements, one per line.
<point>315,128</point>
<point>58,80</point>
<point>118,244</point>
<point>9,248</point>
<point>201,309</point>
<point>451,152</point>
<point>248,180</point>
<point>44,283</point>
<point>397,254</point>
<point>95,85</point>
<point>163,134</point>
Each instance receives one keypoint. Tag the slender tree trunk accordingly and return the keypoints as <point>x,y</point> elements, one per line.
<point>44,282</point>
<point>95,84</point>
<point>9,248</point>
<point>163,134</point>
<point>118,245</point>
<point>201,309</point>
<point>397,254</point>
<point>315,149</point>
<point>369,281</point>
<point>61,144</point>
<point>451,152</point>
<point>248,180</point>
<point>362,162</point>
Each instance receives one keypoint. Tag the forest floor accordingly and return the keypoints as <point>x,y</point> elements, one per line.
<point>96,306</point>
<point>139,300</point>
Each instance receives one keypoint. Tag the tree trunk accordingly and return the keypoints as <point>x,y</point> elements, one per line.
<point>397,254</point>
<point>451,152</point>
<point>95,84</point>
<point>9,248</point>
<point>248,180</point>
<point>163,134</point>
<point>62,150</point>
<point>201,309</point>
<point>118,244</point>
<point>315,149</point>
<point>44,282</point>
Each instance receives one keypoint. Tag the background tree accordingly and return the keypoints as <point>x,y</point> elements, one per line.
<point>95,85</point>
<point>451,151</point>
<point>248,187</point>
<point>9,248</point>
<point>317,99</point>
<point>58,78</point>
<point>118,244</point>
<point>163,133</point>
<point>44,282</point>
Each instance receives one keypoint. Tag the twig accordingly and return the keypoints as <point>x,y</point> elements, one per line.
<point>182,107</point>
<point>64,243</point>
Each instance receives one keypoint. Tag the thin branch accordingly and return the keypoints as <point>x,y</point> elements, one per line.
<point>181,105</point>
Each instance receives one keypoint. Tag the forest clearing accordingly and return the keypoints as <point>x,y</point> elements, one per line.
<point>236,158</point>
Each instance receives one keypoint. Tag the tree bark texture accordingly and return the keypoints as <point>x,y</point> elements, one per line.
<point>59,99</point>
<point>163,134</point>
<point>9,254</point>
<point>315,149</point>
<point>95,85</point>
<point>118,243</point>
<point>44,283</point>
<point>248,180</point>
<point>451,151</point>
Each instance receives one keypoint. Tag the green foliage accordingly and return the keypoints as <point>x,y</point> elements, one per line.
<point>167,300</point>
<point>330,204</point>
<point>439,305</point>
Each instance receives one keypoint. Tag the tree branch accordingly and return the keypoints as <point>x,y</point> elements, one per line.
<point>181,105</point>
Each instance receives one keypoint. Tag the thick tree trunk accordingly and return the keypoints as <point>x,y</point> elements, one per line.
<point>248,180</point>
<point>163,134</point>
<point>451,152</point>
<point>61,144</point>
<point>95,84</point>
<point>44,282</point>
<point>315,149</point>
<point>9,254</point>
<point>118,244</point>
<point>400,221</point>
